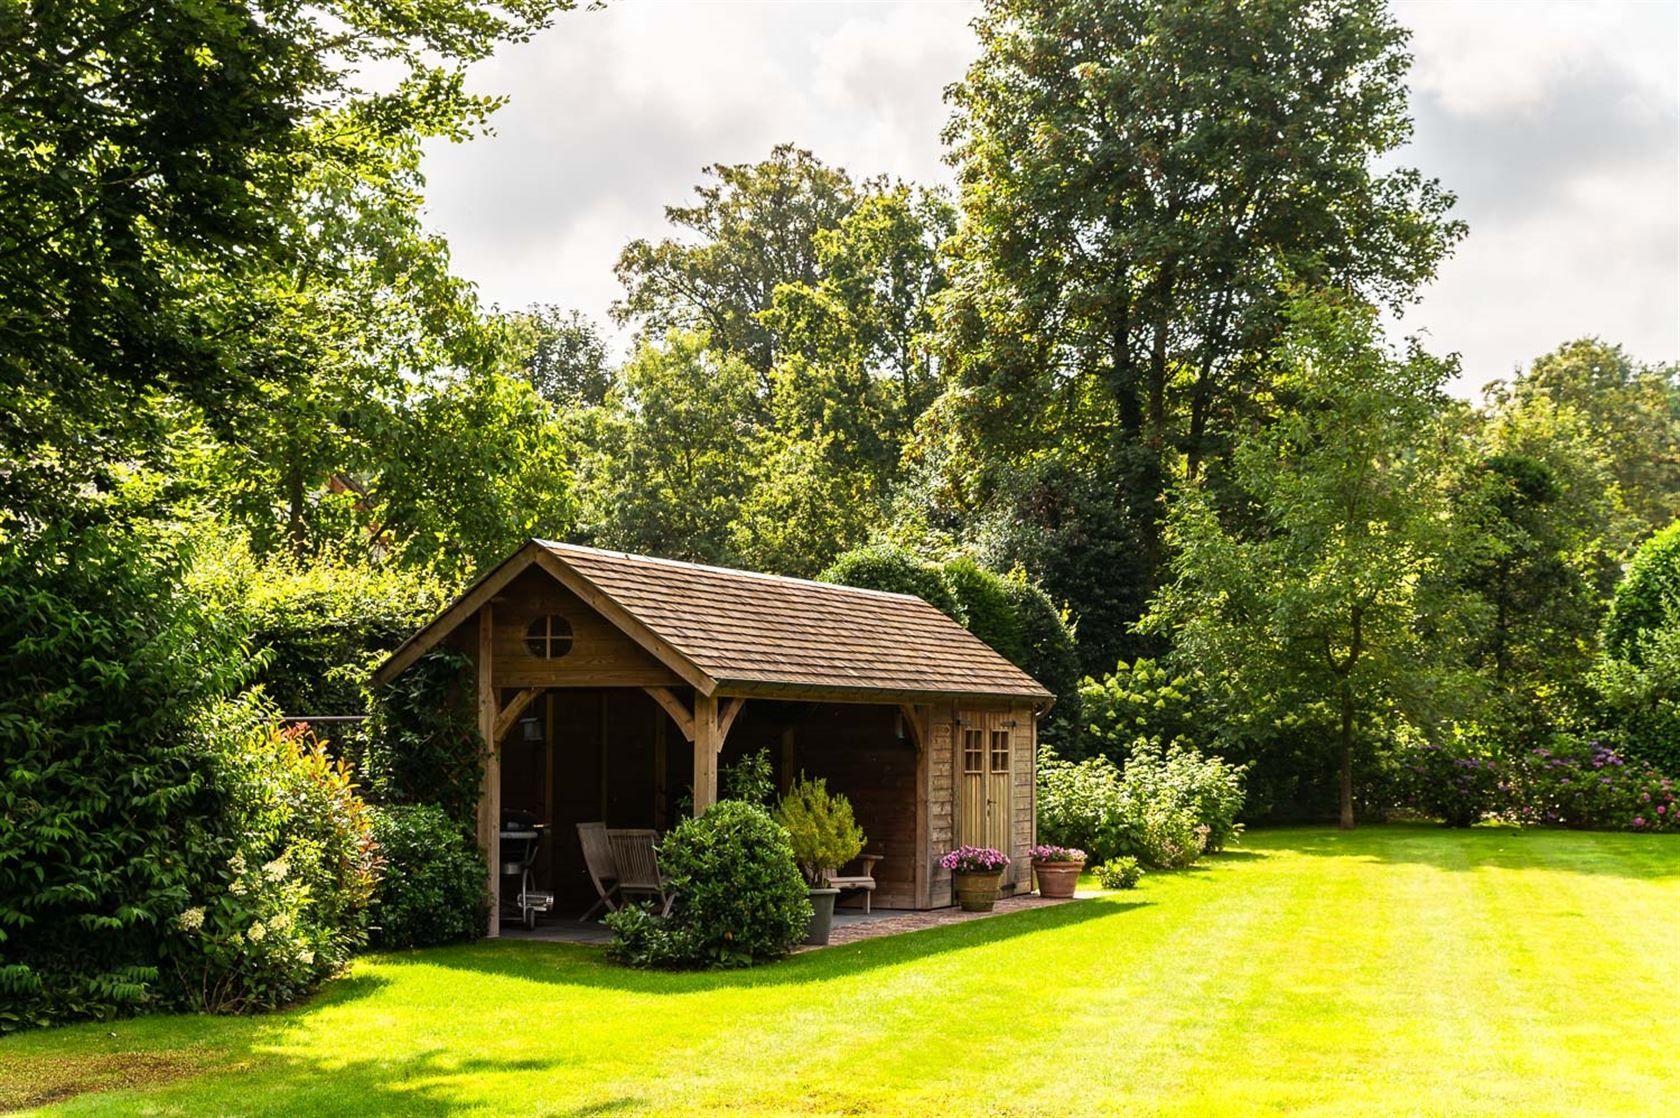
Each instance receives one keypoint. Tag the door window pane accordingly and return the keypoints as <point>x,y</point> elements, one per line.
<point>1000,751</point>
<point>974,751</point>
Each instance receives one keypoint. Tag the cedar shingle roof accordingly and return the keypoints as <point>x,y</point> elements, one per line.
<point>745,628</point>
<point>759,633</point>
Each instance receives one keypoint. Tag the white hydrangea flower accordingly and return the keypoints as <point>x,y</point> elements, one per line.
<point>276,870</point>
<point>256,932</point>
<point>237,887</point>
<point>191,920</point>
<point>237,863</point>
<point>308,958</point>
<point>280,921</point>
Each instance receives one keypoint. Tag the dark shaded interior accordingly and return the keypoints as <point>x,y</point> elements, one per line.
<point>612,754</point>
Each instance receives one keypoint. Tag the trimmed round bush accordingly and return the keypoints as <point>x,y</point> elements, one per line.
<point>884,567</point>
<point>1637,676</point>
<point>432,890</point>
<point>1648,599</point>
<point>740,898</point>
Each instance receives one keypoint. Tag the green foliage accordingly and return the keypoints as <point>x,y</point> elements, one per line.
<point>562,355</point>
<point>1330,599</point>
<point>984,604</point>
<point>189,211</point>
<point>753,229</point>
<point>1135,177</point>
<point>423,743</point>
<point>893,569</point>
<point>1543,530</point>
<point>431,888</point>
<point>666,466</point>
<point>475,466</point>
<point>1119,873</point>
<point>740,899</point>
<point>321,627</point>
<point>1583,783</point>
<point>1079,804</point>
<point>1637,675</point>
<point>283,904</point>
<point>1137,700</point>
<point>749,779</point>
<point>1648,598</point>
<point>1166,807</point>
<point>823,832</point>
<point>1628,412</point>
<point>811,502</point>
<point>1459,781</point>
<point>107,806</point>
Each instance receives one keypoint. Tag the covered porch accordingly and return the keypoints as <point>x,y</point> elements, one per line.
<point>612,689</point>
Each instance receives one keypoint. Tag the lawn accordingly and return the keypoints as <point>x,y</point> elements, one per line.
<point>1394,970</point>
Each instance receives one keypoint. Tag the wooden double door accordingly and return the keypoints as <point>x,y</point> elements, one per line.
<point>985,768</point>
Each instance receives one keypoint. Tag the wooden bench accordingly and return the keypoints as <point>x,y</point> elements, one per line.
<point>864,880</point>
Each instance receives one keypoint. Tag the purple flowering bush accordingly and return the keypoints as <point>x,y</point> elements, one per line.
<point>974,859</point>
<point>1569,782</point>
<point>1460,782</point>
<point>1049,853</point>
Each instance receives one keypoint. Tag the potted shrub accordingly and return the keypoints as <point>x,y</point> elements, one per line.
<point>825,836</point>
<point>975,871</point>
<point>1057,869</point>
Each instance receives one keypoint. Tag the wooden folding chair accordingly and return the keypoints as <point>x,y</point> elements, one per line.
<point>638,865</point>
<point>598,859</point>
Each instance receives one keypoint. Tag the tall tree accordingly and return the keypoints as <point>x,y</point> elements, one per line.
<point>1633,411</point>
<point>1137,178</point>
<point>753,228</point>
<point>563,354</point>
<point>150,157</point>
<point>1334,601</point>
<point>1544,532</point>
<point>672,452</point>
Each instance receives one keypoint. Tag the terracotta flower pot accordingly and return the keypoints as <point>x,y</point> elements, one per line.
<point>1057,880</point>
<point>977,892</point>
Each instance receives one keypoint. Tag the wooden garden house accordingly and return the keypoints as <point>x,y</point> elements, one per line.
<point>613,687</point>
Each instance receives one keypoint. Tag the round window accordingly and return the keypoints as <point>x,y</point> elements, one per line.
<point>549,638</point>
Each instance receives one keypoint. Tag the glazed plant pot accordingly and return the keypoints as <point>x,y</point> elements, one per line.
<point>1057,880</point>
<point>976,892</point>
<point>822,915</point>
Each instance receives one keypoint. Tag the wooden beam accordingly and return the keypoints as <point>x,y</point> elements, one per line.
<point>706,746</point>
<point>727,711</point>
<point>922,869</point>
<point>490,796</point>
<point>912,715</point>
<point>679,713</point>
<point>510,715</point>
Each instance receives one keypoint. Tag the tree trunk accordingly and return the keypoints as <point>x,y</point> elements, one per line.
<point>1347,822</point>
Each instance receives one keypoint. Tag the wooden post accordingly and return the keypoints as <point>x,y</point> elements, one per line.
<point>490,797</point>
<point>707,742</point>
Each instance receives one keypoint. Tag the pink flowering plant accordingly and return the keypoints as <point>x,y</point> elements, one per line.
<point>974,859</point>
<point>1049,853</point>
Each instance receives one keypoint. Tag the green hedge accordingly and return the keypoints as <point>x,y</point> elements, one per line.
<point>432,889</point>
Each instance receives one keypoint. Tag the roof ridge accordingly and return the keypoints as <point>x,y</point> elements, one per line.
<point>555,545</point>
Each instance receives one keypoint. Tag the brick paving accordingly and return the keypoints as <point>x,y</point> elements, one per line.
<point>935,918</point>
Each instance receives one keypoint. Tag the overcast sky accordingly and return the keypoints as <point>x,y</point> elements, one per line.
<point>1557,125</point>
